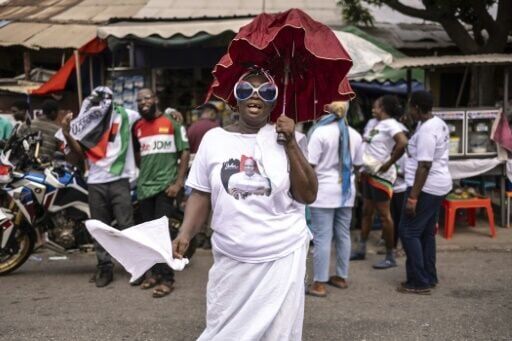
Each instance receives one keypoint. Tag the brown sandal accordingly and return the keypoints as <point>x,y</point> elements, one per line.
<point>149,283</point>
<point>163,289</point>
<point>338,282</point>
<point>316,289</point>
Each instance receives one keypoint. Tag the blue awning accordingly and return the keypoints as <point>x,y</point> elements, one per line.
<point>377,88</point>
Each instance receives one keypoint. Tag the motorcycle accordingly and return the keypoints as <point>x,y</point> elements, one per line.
<point>46,202</point>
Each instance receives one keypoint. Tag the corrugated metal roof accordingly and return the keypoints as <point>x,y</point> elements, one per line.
<point>39,35</point>
<point>116,12</point>
<point>79,13</point>
<point>113,2</point>
<point>17,12</point>
<point>446,61</point>
<point>411,36</point>
<point>167,30</point>
<point>325,11</point>
<point>100,11</point>
<point>17,33</point>
<point>34,9</point>
<point>63,36</point>
<point>45,13</point>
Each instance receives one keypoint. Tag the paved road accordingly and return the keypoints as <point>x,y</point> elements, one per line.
<point>52,300</point>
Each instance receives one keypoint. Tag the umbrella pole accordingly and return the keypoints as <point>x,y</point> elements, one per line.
<point>314,100</point>
<point>281,138</point>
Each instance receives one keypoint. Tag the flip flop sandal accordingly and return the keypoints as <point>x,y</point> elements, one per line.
<point>163,289</point>
<point>149,283</point>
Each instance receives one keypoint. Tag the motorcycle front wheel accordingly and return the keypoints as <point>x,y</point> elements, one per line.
<point>17,251</point>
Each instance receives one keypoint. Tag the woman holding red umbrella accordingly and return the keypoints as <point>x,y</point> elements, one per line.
<point>256,189</point>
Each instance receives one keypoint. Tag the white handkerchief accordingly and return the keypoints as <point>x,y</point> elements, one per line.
<point>139,247</point>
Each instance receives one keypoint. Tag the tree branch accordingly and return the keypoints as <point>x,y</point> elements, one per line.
<point>411,11</point>
<point>477,33</point>
<point>484,17</point>
<point>460,36</point>
<point>498,41</point>
<point>504,16</point>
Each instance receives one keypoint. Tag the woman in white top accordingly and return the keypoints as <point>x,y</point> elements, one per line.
<point>256,285</point>
<point>384,143</point>
<point>428,180</point>
<point>331,213</point>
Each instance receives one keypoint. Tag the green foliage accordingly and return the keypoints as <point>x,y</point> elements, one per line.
<point>462,10</point>
<point>354,11</point>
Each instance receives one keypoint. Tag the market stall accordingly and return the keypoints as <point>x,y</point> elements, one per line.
<point>474,150</point>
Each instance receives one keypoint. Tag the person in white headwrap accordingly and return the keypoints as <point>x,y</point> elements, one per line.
<point>335,151</point>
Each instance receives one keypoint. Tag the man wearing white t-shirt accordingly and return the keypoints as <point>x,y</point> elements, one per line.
<point>331,213</point>
<point>428,180</point>
<point>108,181</point>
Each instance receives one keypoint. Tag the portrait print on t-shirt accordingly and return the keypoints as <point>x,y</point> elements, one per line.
<point>241,178</point>
<point>370,135</point>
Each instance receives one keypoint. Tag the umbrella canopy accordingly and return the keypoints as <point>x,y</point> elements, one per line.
<point>308,63</point>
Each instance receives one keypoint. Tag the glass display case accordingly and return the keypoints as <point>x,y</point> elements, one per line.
<point>478,130</point>
<point>125,83</point>
<point>455,119</point>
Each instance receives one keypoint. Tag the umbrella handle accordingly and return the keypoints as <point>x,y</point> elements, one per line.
<point>281,138</point>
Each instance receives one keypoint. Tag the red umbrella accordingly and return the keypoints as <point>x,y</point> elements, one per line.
<point>306,59</point>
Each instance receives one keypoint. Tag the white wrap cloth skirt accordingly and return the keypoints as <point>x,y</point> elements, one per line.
<point>256,301</point>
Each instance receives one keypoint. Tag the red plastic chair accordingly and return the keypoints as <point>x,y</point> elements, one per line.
<point>451,207</point>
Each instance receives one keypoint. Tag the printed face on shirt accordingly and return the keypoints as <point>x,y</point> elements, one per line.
<point>374,132</point>
<point>242,179</point>
<point>249,167</point>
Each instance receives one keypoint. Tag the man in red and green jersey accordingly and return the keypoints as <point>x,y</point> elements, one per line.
<point>160,142</point>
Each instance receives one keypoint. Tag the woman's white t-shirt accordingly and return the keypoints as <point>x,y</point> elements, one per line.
<point>324,155</point>
<point>378,138</point>
<point>400,186</point>
<point>430,143</point>
<point>251,221</point>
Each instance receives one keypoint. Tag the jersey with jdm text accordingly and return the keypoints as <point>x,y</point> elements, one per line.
<point>159,143</point>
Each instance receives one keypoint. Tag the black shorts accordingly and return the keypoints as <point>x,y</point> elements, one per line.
<point>377,190</point>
